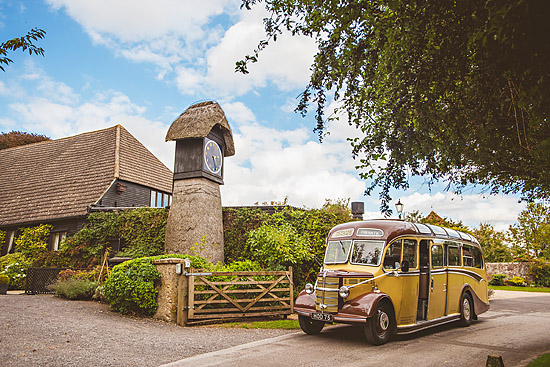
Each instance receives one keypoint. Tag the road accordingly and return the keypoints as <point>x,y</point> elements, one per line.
<point>517,327</point>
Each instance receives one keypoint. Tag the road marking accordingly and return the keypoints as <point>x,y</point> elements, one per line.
<point>199,357</point>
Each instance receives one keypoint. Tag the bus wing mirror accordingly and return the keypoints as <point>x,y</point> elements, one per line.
<point>405,266</point>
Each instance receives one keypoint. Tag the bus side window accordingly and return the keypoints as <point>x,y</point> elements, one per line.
<point>437,256</point>
<point>453,255</point>
<point>393,255</point>
<point>467,255</point>
<point>409,252</point>
<point>478,258</point>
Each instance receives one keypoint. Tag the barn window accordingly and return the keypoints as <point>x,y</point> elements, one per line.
<point>56,239</point>
<point>160,199</point>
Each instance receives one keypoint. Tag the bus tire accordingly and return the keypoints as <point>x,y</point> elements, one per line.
<point>380,326</point>
<point>310,326</point>
<point>466,310</point>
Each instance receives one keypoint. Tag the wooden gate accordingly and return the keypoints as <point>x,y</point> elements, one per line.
<point>212,296</point>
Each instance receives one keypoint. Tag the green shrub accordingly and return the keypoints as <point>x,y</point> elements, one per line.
<point>73,288</point>
<point>237,223</point>
<point>131,286</point>
<point>277,247</point>
<point>15,266</point>
<point>498,279</point>
<point>539,271</point>
<point>517,281</point>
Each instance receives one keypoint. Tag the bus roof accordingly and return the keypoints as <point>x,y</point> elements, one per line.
<point>388,229</point>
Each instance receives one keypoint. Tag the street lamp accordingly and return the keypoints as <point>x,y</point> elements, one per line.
<point>399,206</point>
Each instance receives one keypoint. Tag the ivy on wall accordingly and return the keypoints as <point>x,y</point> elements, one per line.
<point>141,230</point>
<point>287,237</point>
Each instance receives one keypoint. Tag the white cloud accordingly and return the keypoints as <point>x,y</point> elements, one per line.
<point>187,43</point>
<point>285,63</point>
<point>3,89</point>
<point>54,109</point>
<point>130,20</point>
<point>271,164</point>
<point>498,210</point>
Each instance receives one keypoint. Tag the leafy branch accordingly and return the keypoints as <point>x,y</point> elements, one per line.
<point>25,43</point>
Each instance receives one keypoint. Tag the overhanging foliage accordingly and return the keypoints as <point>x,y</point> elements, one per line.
<point>450,90</point>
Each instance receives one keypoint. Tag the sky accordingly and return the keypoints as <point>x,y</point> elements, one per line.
<point>142,63</point>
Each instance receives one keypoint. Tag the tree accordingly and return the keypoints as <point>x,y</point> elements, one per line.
<point>17,138</point>
<point>453,90</point>
<point>414,216</point>
<point>25,43</point>
<point>531,235</point>
<point>493,243</point>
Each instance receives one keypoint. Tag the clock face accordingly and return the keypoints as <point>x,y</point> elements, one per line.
<point>213,159</point>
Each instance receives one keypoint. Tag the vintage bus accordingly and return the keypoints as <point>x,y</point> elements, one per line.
<point>395,277</point>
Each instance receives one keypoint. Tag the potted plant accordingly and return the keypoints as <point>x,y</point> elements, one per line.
<point>4,281</point>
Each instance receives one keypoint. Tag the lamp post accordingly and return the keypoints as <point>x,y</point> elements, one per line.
<point>399,206</point>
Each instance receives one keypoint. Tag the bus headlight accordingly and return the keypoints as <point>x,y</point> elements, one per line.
<point>343,292</point>
<point>309,288</point>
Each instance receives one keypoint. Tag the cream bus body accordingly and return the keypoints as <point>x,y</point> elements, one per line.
<point>395,277</point>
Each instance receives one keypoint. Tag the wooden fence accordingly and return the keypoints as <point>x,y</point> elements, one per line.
<point>215,296</point>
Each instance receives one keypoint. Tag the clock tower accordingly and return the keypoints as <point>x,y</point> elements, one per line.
<point>203,140</point>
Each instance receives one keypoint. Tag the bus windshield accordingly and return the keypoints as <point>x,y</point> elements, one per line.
<point>367,252</point>
<point>337,252</point>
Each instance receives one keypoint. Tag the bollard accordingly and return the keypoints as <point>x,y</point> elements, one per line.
<point>494,361</point>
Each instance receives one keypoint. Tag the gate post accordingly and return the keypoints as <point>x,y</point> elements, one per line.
<point>291,284</point>
<point>183,291</point>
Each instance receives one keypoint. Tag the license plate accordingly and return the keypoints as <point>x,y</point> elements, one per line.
<point>322,317</point>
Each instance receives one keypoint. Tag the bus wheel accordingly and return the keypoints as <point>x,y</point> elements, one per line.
<point>380,327</point>
<point>466,310</point>
<point>310,326</point>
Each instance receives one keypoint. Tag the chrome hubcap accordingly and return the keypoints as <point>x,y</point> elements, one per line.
<point>466,308</point>
<point>383,321</point>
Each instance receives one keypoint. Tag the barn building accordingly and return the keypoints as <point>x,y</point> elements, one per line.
<point>59,182</point>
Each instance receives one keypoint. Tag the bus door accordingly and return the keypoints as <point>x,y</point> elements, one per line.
<point>423,281</point>
<point>402,289</point>
<point>410,283</point>
<point>437,304</point>
<point>455,278</point>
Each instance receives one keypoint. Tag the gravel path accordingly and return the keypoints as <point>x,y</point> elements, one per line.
<point>44,330</point>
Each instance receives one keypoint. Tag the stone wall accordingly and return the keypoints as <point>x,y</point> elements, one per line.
<point>510,269</point>
<point>168,290</point>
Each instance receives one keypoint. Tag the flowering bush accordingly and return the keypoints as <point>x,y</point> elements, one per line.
<point>15,266</point>
<point>517,281</point>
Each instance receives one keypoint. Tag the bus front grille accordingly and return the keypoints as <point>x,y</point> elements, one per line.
<point>327,294</point>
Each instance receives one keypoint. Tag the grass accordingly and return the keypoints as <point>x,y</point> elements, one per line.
<point>521,289</point>
<point>272,324</point>
<point>542,361</point>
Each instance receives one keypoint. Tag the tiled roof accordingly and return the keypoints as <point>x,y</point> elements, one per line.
<point>139,165</point>
<point>60,178</point>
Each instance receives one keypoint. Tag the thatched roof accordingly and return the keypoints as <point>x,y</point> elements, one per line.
<point>198,120</point>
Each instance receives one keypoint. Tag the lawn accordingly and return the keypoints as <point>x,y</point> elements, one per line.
<point>520,289</point>
<point>288,324</point>
<point>541,361</point>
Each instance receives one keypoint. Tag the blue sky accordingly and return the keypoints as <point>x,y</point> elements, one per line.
<point>142,63</point>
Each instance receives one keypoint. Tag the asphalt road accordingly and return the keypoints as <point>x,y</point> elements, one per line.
<point>517,327</point>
